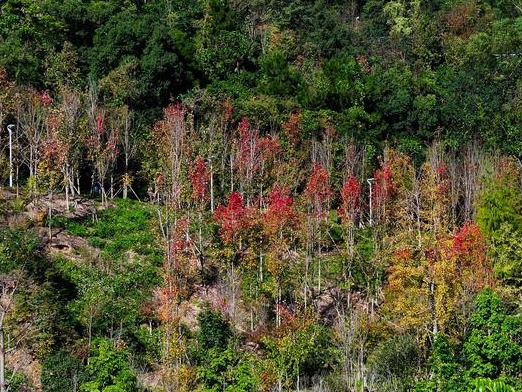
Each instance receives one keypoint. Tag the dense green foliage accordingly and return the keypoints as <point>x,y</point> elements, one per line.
<point>384,70</point>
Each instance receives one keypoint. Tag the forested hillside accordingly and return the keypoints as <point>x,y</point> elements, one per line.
<point>260,195</point>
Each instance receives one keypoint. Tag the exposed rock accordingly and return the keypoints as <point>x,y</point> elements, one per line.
<point>5,194</point>
<point>26,364</point>
<point>38,209</point>
<point>63,243</point>
<point>326,303</point>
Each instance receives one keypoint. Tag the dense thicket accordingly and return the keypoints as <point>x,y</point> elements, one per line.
<point>327,195</point>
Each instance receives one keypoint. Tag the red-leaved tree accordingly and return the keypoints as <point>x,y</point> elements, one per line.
<point>233,220</point>
<point>317,196</point>
<point>349,212</point>
<point>280,226</point>
<point>382,190</point>
<point>253,156</point>
<point>200,178</point>
<point>170,139</point>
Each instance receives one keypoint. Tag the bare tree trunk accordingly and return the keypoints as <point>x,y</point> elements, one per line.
<point>50,214</point>
<point>261,267</point>
<point>112,187</point>
<point>8,287</point>
<point>2,358</point>
<point>211,188</point>
<point>125,188</point>
<point>305,286</point>
<point>78,181</point>
<point>435,327</point>
<point>200,240</point>
<point>66,179</point>
<point>89,330</point>
<point>319,271</point>
<point>233,290</point>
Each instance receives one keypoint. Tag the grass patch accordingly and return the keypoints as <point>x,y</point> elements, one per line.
<point>129,226</point>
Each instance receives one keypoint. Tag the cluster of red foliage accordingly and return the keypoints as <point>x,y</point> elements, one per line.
<point>383,185</point>
<point>253,151</point>
<point>280,211</point>
<point>318,191</point>
<point>469,245</point>
<point>268,148</point>
<point>101,142</point>
<point>54,120</point>
<point>469,248</point>
<point>279,202</point>
<point>45,98</point>
<point>403,254</point>
<point>100,120</point>
<point>174,111</point>
<point>460,19</point>
<point>364,65</point>
<point>54,152</point>
<point>292,128</point>
<point>231,217</point>
<point>351,200</point>
<point>200,177</point>
<point>286,315</point>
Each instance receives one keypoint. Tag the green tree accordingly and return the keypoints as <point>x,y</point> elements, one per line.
<point>501,201</point>
<point>395,362</point>
<point>488,385</point>
<point>108,370</point>
<point>228,370</point>
<point>143,41</point>
<point>214,331</point>
<point>300,348</point>
<point>28,34</point>
<point>506,251</point>
<point>221,366</point>
<point>493,348</point>
<point>60,372</point>
<point>444,367</point>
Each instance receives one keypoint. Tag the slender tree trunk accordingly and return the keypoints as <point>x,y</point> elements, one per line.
<point>112,187</point>
<point>278,306</point>
<point>305,286</point>
<point>78,181</point>
<point>211,188</point>
<point>231,173</point>
<point>435,327</point>
<point>66,179</point>
<point>50,215</point>
<point>200,239</point>
<point>89,330</point>
<point>251,318</point>
<point>233,290</point>
<point>2,358</point>
<point>319,271</point>
<point>260,267</point>
<point>125,185</point>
